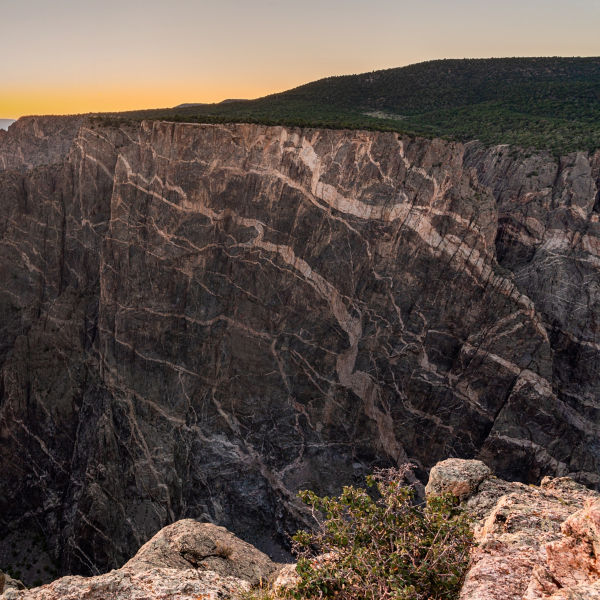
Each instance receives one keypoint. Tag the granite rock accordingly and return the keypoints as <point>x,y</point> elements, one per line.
<point>532,543</point>
<point>458,477</point>
<point>206,547</point>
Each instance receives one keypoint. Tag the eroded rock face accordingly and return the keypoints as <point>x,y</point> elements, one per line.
<point>34,141</point>
<point>198,320</point>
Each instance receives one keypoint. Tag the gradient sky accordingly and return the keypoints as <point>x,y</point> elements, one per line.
<point>65,56</point>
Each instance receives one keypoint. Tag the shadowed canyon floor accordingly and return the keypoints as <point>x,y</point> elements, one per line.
<point>198,320</point>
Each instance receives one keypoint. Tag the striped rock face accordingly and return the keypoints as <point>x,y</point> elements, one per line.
<point>199,320</point>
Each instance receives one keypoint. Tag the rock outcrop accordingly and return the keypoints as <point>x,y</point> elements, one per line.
<point>8,584</point>
<point>184,561</point>
<point>198,320</point>
<point>533,543</point>
<point>206,547</point>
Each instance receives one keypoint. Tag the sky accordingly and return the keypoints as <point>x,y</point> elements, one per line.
<point>72,56</point>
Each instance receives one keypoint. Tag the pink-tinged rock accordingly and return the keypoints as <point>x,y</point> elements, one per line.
<point>499,573</point>
<point>532,543</point>
<point>585,525</point>
<point>570,566</point>
<point>128,584</point>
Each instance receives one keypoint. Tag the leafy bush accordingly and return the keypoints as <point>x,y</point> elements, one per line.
<point>387,547</point>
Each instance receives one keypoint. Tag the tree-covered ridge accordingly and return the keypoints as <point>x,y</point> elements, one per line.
<point>545,103</point>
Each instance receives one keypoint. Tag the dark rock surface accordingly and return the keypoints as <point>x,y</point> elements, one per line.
<point>33,141</point>
<point>198,320</point>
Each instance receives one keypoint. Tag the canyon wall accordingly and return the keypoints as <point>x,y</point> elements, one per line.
<point>199,320</point>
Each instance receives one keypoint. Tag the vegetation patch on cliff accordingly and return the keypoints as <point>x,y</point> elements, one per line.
<point>381,545</point>
<point>542,103</point>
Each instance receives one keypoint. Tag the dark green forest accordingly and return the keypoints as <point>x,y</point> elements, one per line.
<point>541,103</point>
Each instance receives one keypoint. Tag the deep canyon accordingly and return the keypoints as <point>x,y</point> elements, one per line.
<point>199,320</point>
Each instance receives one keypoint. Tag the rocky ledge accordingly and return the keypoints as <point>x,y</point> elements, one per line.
<point>184,561</point>
<point>532,543</point>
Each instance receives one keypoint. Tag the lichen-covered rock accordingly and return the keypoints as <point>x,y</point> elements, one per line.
<point>185,561</point>
<point>149,584</point>
<point>458,477</point>
<point>585,525</point>
<point>570,565</point>
<point>204,546</point>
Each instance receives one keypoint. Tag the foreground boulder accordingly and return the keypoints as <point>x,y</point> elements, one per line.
<point>461,478</point>
<point>184,561</point>
<point>533,543</point>
<point>204,547</point>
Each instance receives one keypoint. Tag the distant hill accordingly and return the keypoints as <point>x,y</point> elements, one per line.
<point>6,123</point>
<point>551,103</point>
<point>230,100</point>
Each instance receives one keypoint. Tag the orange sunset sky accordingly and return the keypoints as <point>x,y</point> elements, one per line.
<point>67,56</point>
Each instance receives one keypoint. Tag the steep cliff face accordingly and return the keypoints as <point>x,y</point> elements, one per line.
<point>34,141</point>
<point>198,320</point>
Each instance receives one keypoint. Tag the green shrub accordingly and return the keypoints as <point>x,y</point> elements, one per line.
<point>383,547</point>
